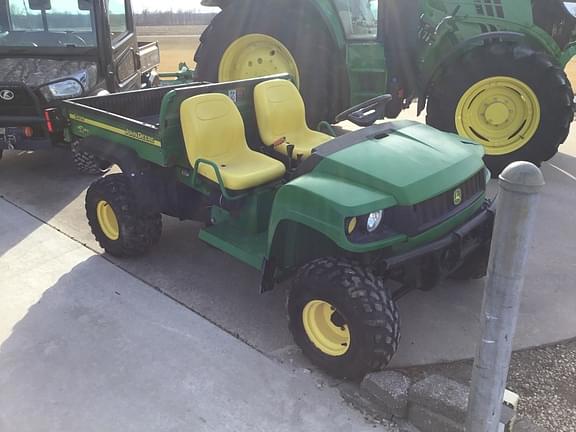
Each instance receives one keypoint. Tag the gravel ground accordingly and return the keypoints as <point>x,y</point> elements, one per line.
<point>545,379</point>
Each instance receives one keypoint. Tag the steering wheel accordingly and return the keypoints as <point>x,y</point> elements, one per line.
<point>366,113</point>
<point>71,36</point>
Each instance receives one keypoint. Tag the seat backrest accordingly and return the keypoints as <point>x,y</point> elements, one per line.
<point>212,126</point>
<point>279,109</point>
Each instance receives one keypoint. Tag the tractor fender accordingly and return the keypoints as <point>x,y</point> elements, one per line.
<point>462,47</point>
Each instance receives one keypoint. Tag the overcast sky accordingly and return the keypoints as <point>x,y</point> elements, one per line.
<point>139,5</point>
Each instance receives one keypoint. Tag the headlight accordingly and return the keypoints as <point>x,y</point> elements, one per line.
<point>63,89</point>
<point>373,221</point>
<point>369,227</point>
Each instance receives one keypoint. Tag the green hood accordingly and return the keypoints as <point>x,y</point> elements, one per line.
<point>407,160</point>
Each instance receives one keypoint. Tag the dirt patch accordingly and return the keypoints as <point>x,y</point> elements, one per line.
<point>177,44</point>
<point>571,72</point>
<point>171,30</point>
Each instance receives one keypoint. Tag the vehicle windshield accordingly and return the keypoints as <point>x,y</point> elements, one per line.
<point>47,23</point>
<point>359,18</point>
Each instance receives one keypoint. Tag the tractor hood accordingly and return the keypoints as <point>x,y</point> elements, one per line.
<point>35,72</point>
<point>407,161</point>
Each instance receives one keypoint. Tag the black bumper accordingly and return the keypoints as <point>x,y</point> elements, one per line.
<point>468,243</point>
<point>13,138</point>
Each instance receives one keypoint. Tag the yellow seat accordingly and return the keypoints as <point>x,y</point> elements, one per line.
<point>281,117</point>
<point>213,130</point>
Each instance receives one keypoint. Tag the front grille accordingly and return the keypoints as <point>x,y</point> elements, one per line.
<point>434,210</point>
<point>415,219</point>
<point>23,104</point>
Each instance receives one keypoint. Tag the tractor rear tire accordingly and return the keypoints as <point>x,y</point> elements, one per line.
<point>121,228</point>
<point>295,27</point>
<point>519,67</point>
<point>343,317</point>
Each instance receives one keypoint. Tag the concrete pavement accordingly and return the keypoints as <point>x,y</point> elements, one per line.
<point>84,346</point>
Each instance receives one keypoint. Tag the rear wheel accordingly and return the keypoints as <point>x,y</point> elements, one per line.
<point>510,98</point>
<point>119,225</point>
<point>252,39</point>
<point>343,318</point>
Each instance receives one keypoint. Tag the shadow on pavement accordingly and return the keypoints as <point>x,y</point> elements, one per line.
<point>79,358</point>
<point>43,183</point>
<point>100,351</point>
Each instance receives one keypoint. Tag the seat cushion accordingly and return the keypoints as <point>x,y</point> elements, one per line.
<point>213,130</point>
<point>280,113</point>
<point>244,170</point>
<point>304,141</point>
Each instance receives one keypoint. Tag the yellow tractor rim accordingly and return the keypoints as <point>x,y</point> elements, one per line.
<point>256,55</point>
<point>330,337</point>
<point>107,220</point>
<point>502,113</point>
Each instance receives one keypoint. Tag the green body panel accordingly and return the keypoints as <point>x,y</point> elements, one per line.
<point>246,247</point>
<point>410,165</point>
<point>144,141</point>
<point>456,35</point>
<point>367,72</point>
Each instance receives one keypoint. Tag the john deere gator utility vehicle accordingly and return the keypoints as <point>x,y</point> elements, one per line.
<point>491,70</point>
<point>52,50</point>
<point>355,221</point>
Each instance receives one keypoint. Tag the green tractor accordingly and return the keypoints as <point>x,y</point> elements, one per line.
<point>356,221</point>
<point>490,70</point>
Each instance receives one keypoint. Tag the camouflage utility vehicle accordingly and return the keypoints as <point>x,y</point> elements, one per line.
<point>52,50</point>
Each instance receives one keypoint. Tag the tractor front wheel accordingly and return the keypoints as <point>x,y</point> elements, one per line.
<point>343,317</point>
<point>512,99</point>
<point>119,225</point>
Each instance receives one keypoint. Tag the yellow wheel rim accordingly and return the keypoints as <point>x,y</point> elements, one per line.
<point>502,113</point>
<point>107,220</point>
<point>323,329</point>
<point>256,55</point>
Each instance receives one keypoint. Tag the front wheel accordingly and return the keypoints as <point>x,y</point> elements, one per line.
<point>120,226</point>
<point>343,317</point>
<point>510,98</point>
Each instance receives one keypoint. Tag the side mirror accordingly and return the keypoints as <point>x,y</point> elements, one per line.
<point>39,4</point>
<point>85,5</point>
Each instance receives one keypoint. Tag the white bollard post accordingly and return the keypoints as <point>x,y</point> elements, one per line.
<point>519,186</point>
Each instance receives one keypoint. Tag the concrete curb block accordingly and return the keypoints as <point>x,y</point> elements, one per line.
<point>441,396</point>
<point>389,389</point>
<point>363,401</point>
<point>427,420</point>
<point>433,404</point>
